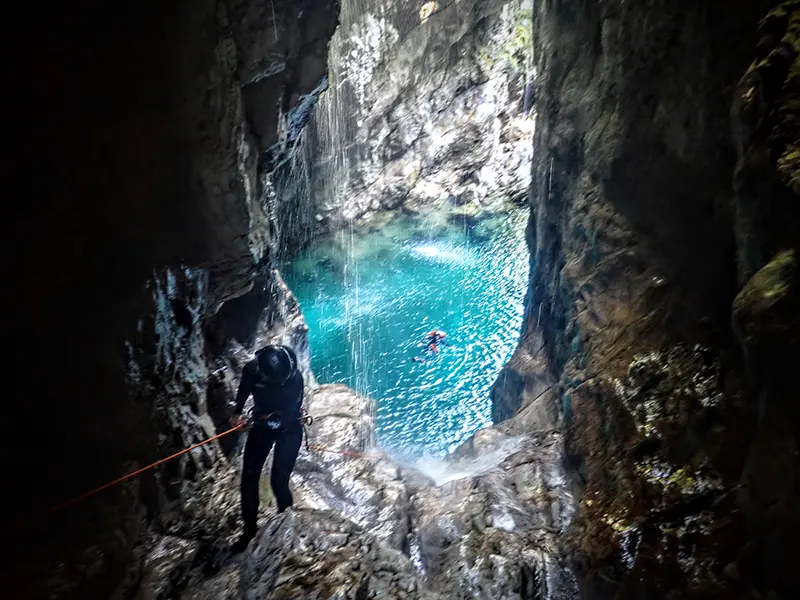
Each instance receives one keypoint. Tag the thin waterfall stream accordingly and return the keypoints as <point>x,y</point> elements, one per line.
<point>370,300</point>
<point>455,258</point>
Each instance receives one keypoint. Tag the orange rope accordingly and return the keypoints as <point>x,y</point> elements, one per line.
<point>96,490</point>
<point>119,480</point>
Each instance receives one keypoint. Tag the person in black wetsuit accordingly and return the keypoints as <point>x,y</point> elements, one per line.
<point>277,388</point>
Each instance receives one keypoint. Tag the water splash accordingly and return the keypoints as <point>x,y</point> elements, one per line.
<point>443,471</point>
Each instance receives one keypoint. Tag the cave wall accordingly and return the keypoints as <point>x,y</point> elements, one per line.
<point>139,157</point>
<point>428,106</point>
<point>661,324</point>
<point>663,307</point>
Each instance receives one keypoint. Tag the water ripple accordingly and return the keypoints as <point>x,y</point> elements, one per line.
<point>369,301</point>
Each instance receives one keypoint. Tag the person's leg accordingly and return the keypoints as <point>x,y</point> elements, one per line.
<point>287,447</point>
<point>259,443</point>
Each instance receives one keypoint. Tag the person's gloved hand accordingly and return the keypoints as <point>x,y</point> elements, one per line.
<point>238,421</point>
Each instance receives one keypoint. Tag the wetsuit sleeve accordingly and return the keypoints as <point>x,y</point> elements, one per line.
<point>298,407</point>
<point>302,389</point>
<point>245,388</point>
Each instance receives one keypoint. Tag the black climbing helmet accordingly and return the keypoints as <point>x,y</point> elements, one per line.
<point>277,364</point>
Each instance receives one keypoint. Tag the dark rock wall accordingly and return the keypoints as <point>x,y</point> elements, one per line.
<point>766,312</point>
<point>138,147</point>
<point>653,205</point>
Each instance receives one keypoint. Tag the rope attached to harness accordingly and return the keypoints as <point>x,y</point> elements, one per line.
<point>305,419</point>
<point>59,507</point>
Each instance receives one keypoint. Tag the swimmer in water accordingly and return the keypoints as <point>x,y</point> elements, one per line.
<point>433,340</point>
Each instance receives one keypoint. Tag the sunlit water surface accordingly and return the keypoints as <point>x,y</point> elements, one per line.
<point>370,297</point>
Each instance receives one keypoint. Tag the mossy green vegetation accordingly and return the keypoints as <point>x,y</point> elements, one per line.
<point>514,54</point>
<point>780,59</point>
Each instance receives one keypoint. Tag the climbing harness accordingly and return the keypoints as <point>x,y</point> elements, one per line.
<point>274,422</point>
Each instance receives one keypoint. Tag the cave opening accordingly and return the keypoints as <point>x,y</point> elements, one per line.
<point>183,191</point>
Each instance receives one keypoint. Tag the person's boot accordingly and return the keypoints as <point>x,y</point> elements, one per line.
<point>239,545</point>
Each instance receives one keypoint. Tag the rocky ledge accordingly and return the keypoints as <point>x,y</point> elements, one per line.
<point>481,523</point>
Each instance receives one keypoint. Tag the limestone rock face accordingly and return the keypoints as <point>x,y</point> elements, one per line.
<point>346,537</point>
<point>647,426</point>
<point>428,106</point>
<point>483,523</point>
<point>343,474</point>
<point>492,530</point>
<point>766,312</point>
<point>321,556</point>
<point>663,188</point>
<point>766,317</point>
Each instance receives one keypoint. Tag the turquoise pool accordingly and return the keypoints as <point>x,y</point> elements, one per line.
<point>370,298</point>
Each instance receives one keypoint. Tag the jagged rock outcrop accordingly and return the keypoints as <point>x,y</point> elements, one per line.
<point>364,488</point>
<point>145,269</point>
<point>651,211</point>
<point>492,531</point>
<point>141,272</point>
<point>319,555</point>
<point>766,119</point>
<point>344,538</point>
<point>140,150</point>
<point>429,105</point>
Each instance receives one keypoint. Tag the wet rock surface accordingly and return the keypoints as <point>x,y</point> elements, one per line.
<point>428,107</point>
<point>142,275</point>
<point>343,539</point>
<point>343,474</point>
<point>482,524</point>
<point>318,555</point>
<point>766,309</point>
<point>651,211</point>
<point>491,532</point>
